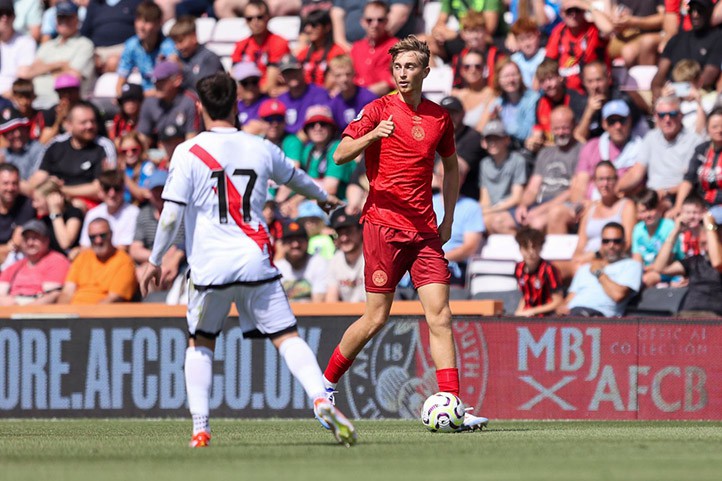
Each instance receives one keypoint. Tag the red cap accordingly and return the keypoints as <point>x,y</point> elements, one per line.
<point>271,107</point>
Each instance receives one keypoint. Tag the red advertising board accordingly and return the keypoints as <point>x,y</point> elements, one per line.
<point>582,369</point>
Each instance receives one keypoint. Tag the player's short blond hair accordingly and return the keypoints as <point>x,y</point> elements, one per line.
<point>686,70</point>
<point>411,44</point>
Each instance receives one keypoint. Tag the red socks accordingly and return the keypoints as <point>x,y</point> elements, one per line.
<point>448,380</point>
<point>337,366</point>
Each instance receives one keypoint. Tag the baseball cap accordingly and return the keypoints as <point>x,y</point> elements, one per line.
<point>707,4</point>
<point>130,92</point>
<point>318,113</point>
<point>170,132</point>
<point>293,229</point>
<point>309,209</point>
<point>289,62</point>
<point>66,9</point>
<point>11,119</point>
<point>156,179</point>
<point>452,103</point>
<point>36,225</point>
<point>615,107</point>
<point>494,129</point>
<point>244,70</point>
<point>340,219</point>
<point>271,107</point>
<point>66,81</point>
<point>165,69</point>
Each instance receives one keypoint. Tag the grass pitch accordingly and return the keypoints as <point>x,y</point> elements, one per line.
<point>298,450</point>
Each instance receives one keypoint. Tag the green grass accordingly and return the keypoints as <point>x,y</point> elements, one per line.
<point>277,450</point>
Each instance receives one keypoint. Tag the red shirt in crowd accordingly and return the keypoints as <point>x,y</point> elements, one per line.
<point>399,168</point>
<point>492,56</point>
<point>372,63</point>
<point>26,279</point>
<point>537,287</point>
<point>574,51</point>
<point>121,126</point>
<point>315,62</point>
<point>271,51</point>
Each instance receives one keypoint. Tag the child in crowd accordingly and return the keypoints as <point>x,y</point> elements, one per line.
<point>126,120</point>
<point>197,61</point>
<point>313,220</point>
<point>539,281</point>
<point>691,214</point>
<point>23,94</point>
<point>687,85</point>
<point>133,160</point>
<point>473,36</point>
<point>530,54</point>
<point>649,235</point>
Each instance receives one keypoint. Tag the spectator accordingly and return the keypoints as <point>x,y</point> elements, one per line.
<point>467,228</point>
<point>59,216</point>
<point>144,235</point>
<point>604,285</point>
<point>77,160</point>
<point>539,281</point>
<point>134,163</point>
<point>472,37</point>
<point>702,44</point>
<point>576,42</point>
<point>695,104</point>
<point>515,104</point>
<point>609,208</point>
<point>23,95</point>
<point>262,47</point>
<point>15,210</point>
<point>273,112</point>
<point>530,54</point>
<point>617,144</point>
<point>102,274</point>
<point>441,33</point>
<point>502,176</point>
<point>346,16</point>
<point>300,96</point>
<point>249,96</point>
<point>649,234</point>
<point>120,215</point>
<point>314,221</point>
<point>305,276</point>
<point>371,59</point>
<point>549,188</point>
<point>473,92</point>
<point>635,30</point>
<point>20,149</point>
<point>108,24</point>
<point>664,155</point>
<point>49,25</point>
<point>16,50</point>
<point>704,174</point>
<point>29,17</point>
<point>468,146</point>
<point>691,214</point>
<point>315,56</point>
<point>346,268</point>
<point>126,120</point>
<point>599,88</point>
<point>197,60</point>
<point>69,52</point>
<point>702,270</point>
<point>544,13</point>
<point>173,106</point>
<point>38,277</point>
<point>144,50</point>
<point>350,99</point>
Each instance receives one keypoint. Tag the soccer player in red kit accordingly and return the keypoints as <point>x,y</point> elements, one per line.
<point>400,135</point>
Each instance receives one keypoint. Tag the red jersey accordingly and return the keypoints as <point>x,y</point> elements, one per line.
<point>315,62</point>
<point>372,63</point>
<point>399,167</point>
<point>121,126</point>
<point>537,287</point>
<point>270,52</point>
<point>37,124</point>
<point>574,51</point>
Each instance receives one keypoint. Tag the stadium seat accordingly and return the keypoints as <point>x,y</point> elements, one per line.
<point>492,283</point>
<point>204,28</point>
<point>509,298</point>
<point>230,30</point>
<point>557,247</point>
<point>501,247</point>
<point>438,84</point>
<point>167,26</point>
<point>288,27</point>
<point>105,86</point>
<point>665,301</point>
<point>640,77</point>
<point>227,63</point>
<point>222,49</point>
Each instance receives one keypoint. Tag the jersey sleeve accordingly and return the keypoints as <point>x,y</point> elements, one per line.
<point>179,187</point>
<point>554,278</point>
<point>366,120</point>
<point>446,145</point>
<point>282,167</point>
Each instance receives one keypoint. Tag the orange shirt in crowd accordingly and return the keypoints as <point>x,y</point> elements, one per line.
<point>95,279</point>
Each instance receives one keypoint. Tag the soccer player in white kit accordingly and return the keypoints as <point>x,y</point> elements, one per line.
<point>217,183</point>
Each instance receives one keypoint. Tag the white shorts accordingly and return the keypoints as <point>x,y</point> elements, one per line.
<point>263,310</point>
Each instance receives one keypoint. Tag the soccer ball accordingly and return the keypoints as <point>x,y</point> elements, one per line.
<point>442,412</point>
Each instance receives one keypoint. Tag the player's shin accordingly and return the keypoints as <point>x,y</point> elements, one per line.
<point>303,365</point>
<point>198,374</point>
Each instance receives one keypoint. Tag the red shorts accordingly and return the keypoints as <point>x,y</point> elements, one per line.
<point>389,253</point>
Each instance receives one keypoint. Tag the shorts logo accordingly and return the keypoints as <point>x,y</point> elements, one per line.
<point>417,132</point>
<point>358,117</point>
<point>380,278</point>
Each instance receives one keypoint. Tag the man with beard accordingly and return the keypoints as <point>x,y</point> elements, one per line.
<point>305,276</point>
<point>346,268</point>
<point>603,287</point>
<point>549,184</point>
<point>702,44</point>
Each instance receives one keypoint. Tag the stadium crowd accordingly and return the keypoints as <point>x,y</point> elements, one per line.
<point>553,137</point>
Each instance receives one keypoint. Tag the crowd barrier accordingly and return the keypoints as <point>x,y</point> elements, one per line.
<point>127,361</point>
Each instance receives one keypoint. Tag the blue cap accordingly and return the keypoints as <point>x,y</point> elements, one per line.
<point>156,179</point>
<point>615,107</point>
<point>66,9</point>
<point>310,209</point>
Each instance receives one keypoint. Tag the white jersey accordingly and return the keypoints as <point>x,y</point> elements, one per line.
<point>222,178</point>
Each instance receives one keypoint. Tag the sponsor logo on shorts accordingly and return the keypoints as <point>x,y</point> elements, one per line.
<point>380,278</point>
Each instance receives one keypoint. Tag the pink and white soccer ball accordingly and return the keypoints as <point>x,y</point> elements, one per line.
<point>442,412</point>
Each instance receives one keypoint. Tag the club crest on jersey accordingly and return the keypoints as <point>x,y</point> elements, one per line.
<point>379,278</point>
<point>358,116</point>
<point>418,132</point>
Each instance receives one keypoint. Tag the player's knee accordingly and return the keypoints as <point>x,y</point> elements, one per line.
<point>439,320</point>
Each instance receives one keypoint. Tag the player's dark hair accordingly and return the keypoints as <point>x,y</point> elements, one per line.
<point>112,178</point>
<point>715,112</point>
<point>149,11</point>
<point>647,198</point>
<point>614,225</point>
<point>378,3</point>
<point>604,163</point>
<point>528,237</point>
<point>217,93</point>
<point>260,4</point>
<point>9,168</point>
<point>23,88</point>
<point>411,44</point>
<point>695,199</point>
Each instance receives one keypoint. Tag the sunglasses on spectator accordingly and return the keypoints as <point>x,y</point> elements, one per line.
<point>130,151</point>
<point>274,118</point>
<point>672,114</point>
<point>254,17</point>
<point>614,119</point>
<point>101,235</point>
<point>574,11</point>
<point>318,124</point>
<point>615,241</point>
<point>376,20</point>
<point>469,66</point>
<point>250,81</point>
<point>108,188</point>
<point>605,179</point>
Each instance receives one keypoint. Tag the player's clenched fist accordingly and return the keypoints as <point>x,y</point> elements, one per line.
<point>385,128</point>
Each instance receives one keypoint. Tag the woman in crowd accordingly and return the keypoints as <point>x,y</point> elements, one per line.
<point>62,219</point>
<point>133,160</point>
<point>315,56</point>
<point>475,96</point>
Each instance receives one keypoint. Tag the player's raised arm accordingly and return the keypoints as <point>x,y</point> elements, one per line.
<point>349,148</point>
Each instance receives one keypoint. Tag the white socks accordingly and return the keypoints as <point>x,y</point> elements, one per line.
<point>303,365</point>
<point>199,373</point>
